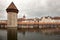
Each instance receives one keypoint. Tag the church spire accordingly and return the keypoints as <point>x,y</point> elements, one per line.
<point>24,16</point>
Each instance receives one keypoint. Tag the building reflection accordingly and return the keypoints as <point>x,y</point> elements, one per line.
<point>23,33</point>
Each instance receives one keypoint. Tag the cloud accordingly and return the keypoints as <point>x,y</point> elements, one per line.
<point>33,8</point>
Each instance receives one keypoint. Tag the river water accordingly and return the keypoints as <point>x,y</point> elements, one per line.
<point>30,36</point>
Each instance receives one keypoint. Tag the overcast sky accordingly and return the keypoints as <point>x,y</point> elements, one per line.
<point>32,8</point>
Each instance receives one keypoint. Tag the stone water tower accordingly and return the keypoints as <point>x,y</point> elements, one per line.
<point>12,22</point>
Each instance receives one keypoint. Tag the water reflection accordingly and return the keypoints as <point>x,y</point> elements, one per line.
<point>37,36</point>
<point>3,35</point>
<point>23,33</point>
<point>31,35</point>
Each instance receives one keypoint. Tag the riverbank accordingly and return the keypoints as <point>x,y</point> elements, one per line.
<point>48,30</point>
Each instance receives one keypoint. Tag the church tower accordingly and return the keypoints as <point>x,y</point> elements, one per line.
<point>24,16</point>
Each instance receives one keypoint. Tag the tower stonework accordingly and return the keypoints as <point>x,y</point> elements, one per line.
<point>12,22</point>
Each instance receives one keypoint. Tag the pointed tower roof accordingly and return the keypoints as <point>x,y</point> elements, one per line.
<point>12,8</point>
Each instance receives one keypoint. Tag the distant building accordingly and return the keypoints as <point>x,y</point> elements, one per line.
<point>34,22</point>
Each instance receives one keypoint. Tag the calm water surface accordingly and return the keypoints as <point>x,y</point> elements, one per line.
<point>30,36</point>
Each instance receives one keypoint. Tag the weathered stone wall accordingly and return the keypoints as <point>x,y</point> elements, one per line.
<point>12,19</point>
